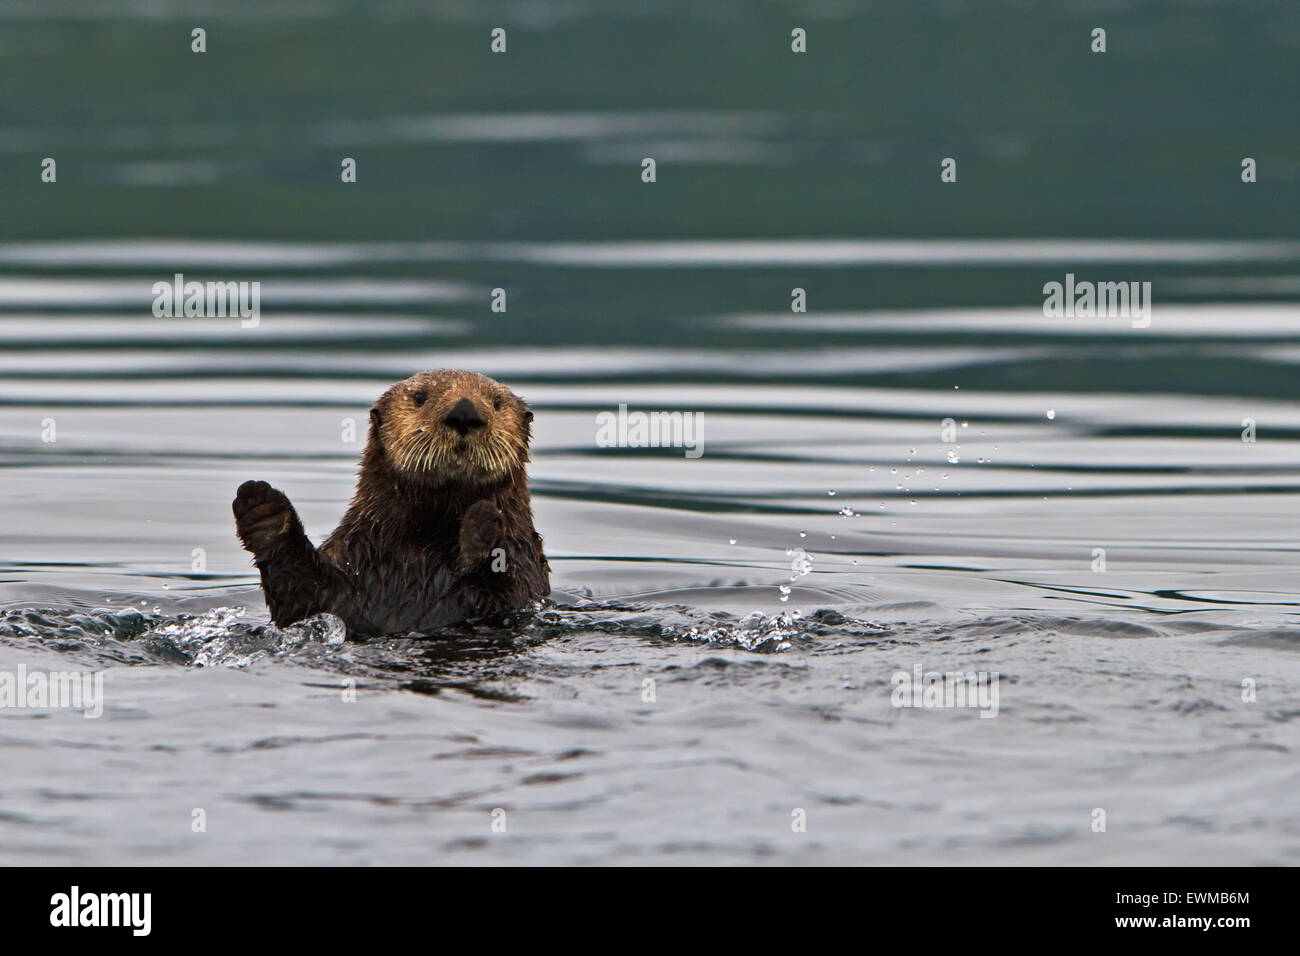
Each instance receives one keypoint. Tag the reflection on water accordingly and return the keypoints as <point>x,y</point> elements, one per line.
<point>921,469</point>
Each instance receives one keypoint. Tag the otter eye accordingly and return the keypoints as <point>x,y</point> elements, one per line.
<point>418,398</point>
<point>496,403</point>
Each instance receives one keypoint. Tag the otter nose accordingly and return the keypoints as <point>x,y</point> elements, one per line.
<point>464,417</point>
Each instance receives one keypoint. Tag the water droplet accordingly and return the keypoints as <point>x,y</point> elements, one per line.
<point>731,541</point>
<point>1051,413</point>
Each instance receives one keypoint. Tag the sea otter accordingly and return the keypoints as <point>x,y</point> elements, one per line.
<point>440,529</point>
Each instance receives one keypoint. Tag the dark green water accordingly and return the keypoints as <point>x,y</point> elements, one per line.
<point>544,142</point>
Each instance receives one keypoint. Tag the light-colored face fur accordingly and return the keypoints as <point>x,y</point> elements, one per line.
<point>452,426</point>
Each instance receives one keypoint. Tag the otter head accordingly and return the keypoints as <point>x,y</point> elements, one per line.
<point>449,426</point>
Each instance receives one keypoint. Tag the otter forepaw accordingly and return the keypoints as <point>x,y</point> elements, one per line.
<point>263,515</point>
<point>480,533</point>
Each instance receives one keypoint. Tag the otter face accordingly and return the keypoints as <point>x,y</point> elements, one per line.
<point>452,426</point>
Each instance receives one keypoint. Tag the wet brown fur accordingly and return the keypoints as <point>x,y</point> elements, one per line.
<point>440,528</point>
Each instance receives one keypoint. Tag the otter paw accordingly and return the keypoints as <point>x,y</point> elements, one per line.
<point>480,532</point>
<point>262,515</point>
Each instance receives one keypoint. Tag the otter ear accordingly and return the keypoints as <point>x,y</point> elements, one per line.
<point>374,416</point>
<point>528,415</point>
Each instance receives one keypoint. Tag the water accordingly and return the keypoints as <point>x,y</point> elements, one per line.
<point>827,539</point>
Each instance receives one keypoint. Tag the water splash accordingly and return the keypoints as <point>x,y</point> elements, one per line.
<point>219,639</point>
